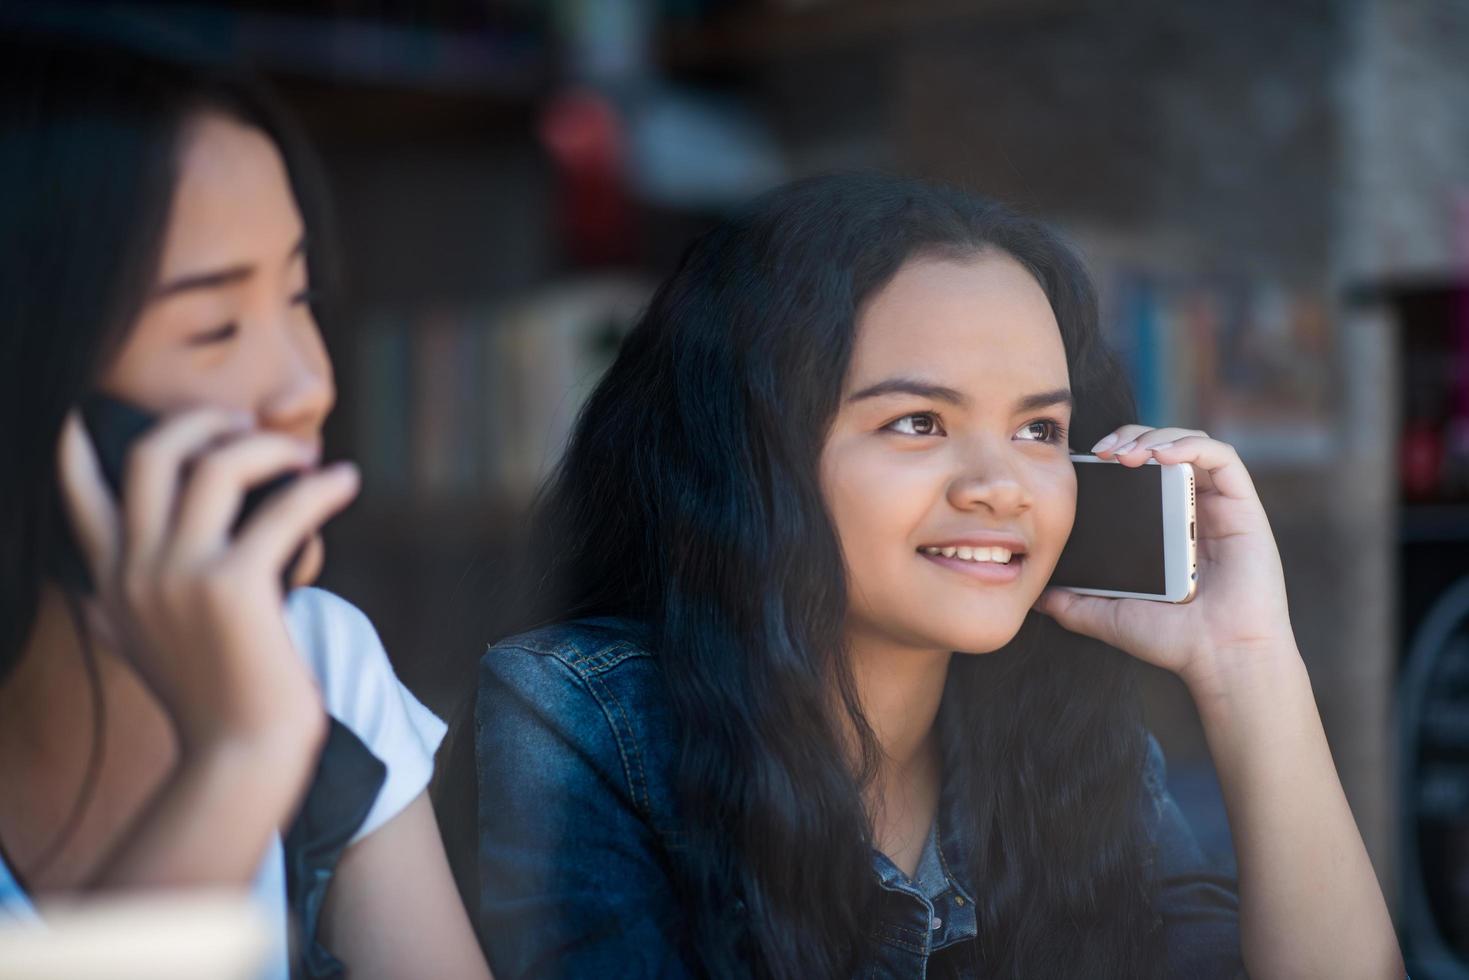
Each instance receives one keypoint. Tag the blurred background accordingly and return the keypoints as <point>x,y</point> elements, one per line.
<point>1273,197</point>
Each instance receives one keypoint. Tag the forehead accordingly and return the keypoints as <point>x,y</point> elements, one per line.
<point>978,324</point>
<point>233,201</point>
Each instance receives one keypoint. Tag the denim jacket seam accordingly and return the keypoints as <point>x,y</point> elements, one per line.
<point>588,668</point>
<point>898,936</point>
<point>637,782</point>
<point>584,663</point>
<point>949,877</point>
<point>596,688</point>
<point>604,658</point>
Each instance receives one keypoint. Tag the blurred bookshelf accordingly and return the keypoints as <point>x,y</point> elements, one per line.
<point>1247,358</point>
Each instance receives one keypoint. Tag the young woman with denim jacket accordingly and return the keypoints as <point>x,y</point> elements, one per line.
<point>165,701</point>
<point>772,732</point>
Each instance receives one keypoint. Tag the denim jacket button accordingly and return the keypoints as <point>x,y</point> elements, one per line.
<point>936,924</point>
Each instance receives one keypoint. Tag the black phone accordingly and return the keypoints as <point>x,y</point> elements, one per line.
<point>1134,532</point>
<point>113,426</point>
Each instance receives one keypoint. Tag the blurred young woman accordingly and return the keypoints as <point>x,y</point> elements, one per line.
<point>796,717</point>
<point>161,726</point>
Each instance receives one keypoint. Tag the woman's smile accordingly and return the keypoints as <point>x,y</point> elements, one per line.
<point>992,558</point>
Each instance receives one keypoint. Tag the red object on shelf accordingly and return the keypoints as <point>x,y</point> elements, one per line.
<point>584,133</point>
<point>1420,461</point>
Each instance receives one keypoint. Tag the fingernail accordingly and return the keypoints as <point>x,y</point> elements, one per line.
<point>1162,446</point>
<point>1101,447</point>
<point>1124,450</point>
<point>344,468</point>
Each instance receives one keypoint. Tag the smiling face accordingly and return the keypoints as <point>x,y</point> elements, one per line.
<point>946,470</point>
<point>228,323</point>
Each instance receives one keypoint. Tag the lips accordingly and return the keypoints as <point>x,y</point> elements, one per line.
<point>992,558</point>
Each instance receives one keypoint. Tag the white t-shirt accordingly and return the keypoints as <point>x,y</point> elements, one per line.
<point>360,690</point>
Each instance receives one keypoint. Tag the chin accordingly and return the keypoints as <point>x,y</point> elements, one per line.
<point>956,626</point>
<point>986,634</point>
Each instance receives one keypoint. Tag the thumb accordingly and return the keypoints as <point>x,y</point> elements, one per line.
<point>1089,615</point>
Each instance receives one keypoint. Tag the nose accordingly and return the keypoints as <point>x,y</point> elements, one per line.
<point>303,392</point>
<point>988,482</point>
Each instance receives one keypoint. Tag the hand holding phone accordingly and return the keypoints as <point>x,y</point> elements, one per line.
<point>189,593</point>
<point>114,426</point>
<point>1240,602</point>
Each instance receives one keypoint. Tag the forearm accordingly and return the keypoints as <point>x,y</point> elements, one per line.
<point>1310,902</point>
<point>213,820</point>
<point>392,909</point>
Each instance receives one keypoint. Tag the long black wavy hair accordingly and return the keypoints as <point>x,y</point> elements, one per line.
<point>689,499</point>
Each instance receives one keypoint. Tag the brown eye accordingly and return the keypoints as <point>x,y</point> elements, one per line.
<point>1041,430</point>
<point>918,424</point>
<point>216,336</point>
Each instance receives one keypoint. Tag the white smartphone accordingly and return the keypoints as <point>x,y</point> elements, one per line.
<point>1134,536</point>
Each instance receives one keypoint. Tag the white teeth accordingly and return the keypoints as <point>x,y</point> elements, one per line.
<point>964,552</point>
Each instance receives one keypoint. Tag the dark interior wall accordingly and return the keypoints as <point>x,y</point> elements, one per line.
<point>1213,121</point>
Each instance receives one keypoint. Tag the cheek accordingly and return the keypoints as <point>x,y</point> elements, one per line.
<point>154,372</point>
<point>877,500</point>
<point>1055,508</point>
<point>167,383</point>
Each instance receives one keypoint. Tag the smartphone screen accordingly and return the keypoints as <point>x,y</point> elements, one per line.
<point>1117,540</point>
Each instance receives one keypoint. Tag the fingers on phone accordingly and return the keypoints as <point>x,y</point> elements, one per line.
<point>272,533</point>
<point>1117,439</point>
<point>1217,463</point>
<point>219,479</point>
<point>1135,443</point>
<point>89,504</point>
<point>153,470</point>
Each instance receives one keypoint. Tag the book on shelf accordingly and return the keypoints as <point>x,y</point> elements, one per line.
<point>469,403</point>
<point>1248,361</point>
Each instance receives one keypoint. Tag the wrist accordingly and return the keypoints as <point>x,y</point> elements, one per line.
<point>267,714</point>
<point>283,747</point>
<point>1239,675</point>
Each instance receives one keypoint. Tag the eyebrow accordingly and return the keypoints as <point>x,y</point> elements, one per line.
<point>924,389</point>
<point>909,386</point>
<point>217,278</point>
<point>1046,399</point>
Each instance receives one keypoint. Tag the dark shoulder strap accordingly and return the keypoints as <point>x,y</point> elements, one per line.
<point>348,778</point>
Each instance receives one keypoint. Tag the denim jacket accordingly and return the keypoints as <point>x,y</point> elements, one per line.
<point>575,749</point>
